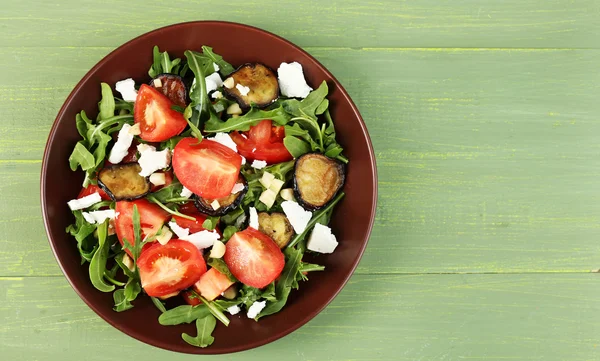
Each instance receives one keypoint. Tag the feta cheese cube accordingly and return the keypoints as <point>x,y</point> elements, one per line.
<point>291,80</point>
<point>217,95</point>
<point>84,202</point>
<point>268,197</point>
<point>276,185</point>
<point>157,83</point>
<point>244,90</point>
<point>258,164</point>
<point>127,89</point>
<point>150,160</point>
<point>186,193</point>
<point>238,187</point>
<point>121,147</point>
<point>255,308</point>
<point>225,139</point>
<point>253,218</point>
<point>215,205</point>
<point>298,216</point>
<point>213,81</point>
<point>99,216</point>
<point>321,239</point>
<point>266,179</point>
<point>234,310</point>
<point>287,194</point>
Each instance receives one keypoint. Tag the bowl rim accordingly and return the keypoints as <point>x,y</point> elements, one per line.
<point>123,327</point>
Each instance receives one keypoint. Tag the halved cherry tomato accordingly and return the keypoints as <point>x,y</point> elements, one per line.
<point>208,169</point>
<point>263,142</point>
<point>166,269</point>
<point>253,258</point>
<point>212,284</point>
<point>158,122</point>
<point>190,297</point>
<point>168,181</point>
<point>91,189</point>
<point>152,217</point>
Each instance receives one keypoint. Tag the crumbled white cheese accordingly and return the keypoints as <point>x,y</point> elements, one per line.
<point>266,179</point>
<point>234,310</point>
<point>127,89</point>
<point>244,90</point>
<point>121,147</point>
<point>321,239</point>
<point>253,218</point>
<point>150,160</point>
<point>201,240</point>
<point>215,205</point>
<point>268,198</point>
<point>216,66</point>
<point>186,193</point>
<point>297,215</point>
<point>243,160</point>
<point>158,179</point>
<point>218,107</point>
<point>84,202</point>
<point>259,164</point>
<point>238,187</point>
<point>225,139</point>
<point>213,81</point>
<point>291,80</point>
<point>217,95</point>
<point>99,216</point>
<point>157,83</point>
<point>255,308</point>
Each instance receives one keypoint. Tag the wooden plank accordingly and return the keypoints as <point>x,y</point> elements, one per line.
<point>435,317</point>
<point>347,23</point>
<point>487,159</point>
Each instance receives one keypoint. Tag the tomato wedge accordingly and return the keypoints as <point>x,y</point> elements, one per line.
<point>152,217</point>
<point>262,142</point>
<point>208,168</point>
<point>167,269</point>
<point>253,258</point>
<point>91,189</point>
<point>212,284</point>
<point>152,111</point>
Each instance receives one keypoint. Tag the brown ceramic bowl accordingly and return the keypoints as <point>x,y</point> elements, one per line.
<point>352,220</point>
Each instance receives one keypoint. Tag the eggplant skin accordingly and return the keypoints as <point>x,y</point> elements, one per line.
<point>123,181</point>
<point>263,84</point>
<point>317,179</point>
<point>277,226</point>
<point>173,87</point>
<point>227,203</point>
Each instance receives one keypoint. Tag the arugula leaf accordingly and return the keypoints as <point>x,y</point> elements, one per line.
<point>317,217</point>
<point>111,274</point>
<point>205,327</point>
<point>162,63</point>
<point>132,289</point>
<point>159,304</point>
<point>284,284</point>
<point>183,314</point>
<point>98,262</point>
<point>249,295</point>
<point>296,146</point>
<point>244,122</point>
<point>228,232</point>
<point>81,230</point>
<point>224,67</point>
<point>166,194</point>
<point>200,109</point>
<point>169,210</point>
<point>221,266</point>
<point>81,157</point>
<point>210,223</point>
<point>216,311</point>
<point>307,106</point>
<point>107,103</point>
<point>121,301</point>
<point>322,107</point>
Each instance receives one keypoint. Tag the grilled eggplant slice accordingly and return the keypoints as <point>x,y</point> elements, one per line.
<point>317,179</point>
<point>172,86</point>
<point>225,204</point>
<point>277,226</point>
<point>123,181</point>
<point>260,79</point>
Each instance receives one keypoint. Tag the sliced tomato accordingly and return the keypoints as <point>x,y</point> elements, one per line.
<point>209,169</point>
<point>253,258</point>
<point>91,189</point>
<point>158,122</point>
<point>212,284</point>
<point>166,269</point>
<point>190,297</point>
<point>262,142</point>
<point>168,181</point>
<point>152,217</point>
<point>193,226</point>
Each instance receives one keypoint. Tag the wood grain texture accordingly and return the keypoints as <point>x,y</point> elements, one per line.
<point>431,317</point>
<point>346,23</point>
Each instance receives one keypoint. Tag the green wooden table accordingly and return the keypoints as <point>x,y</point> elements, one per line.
<point>485,118</point>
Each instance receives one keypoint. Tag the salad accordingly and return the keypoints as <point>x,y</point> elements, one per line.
<point>206,184</point>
